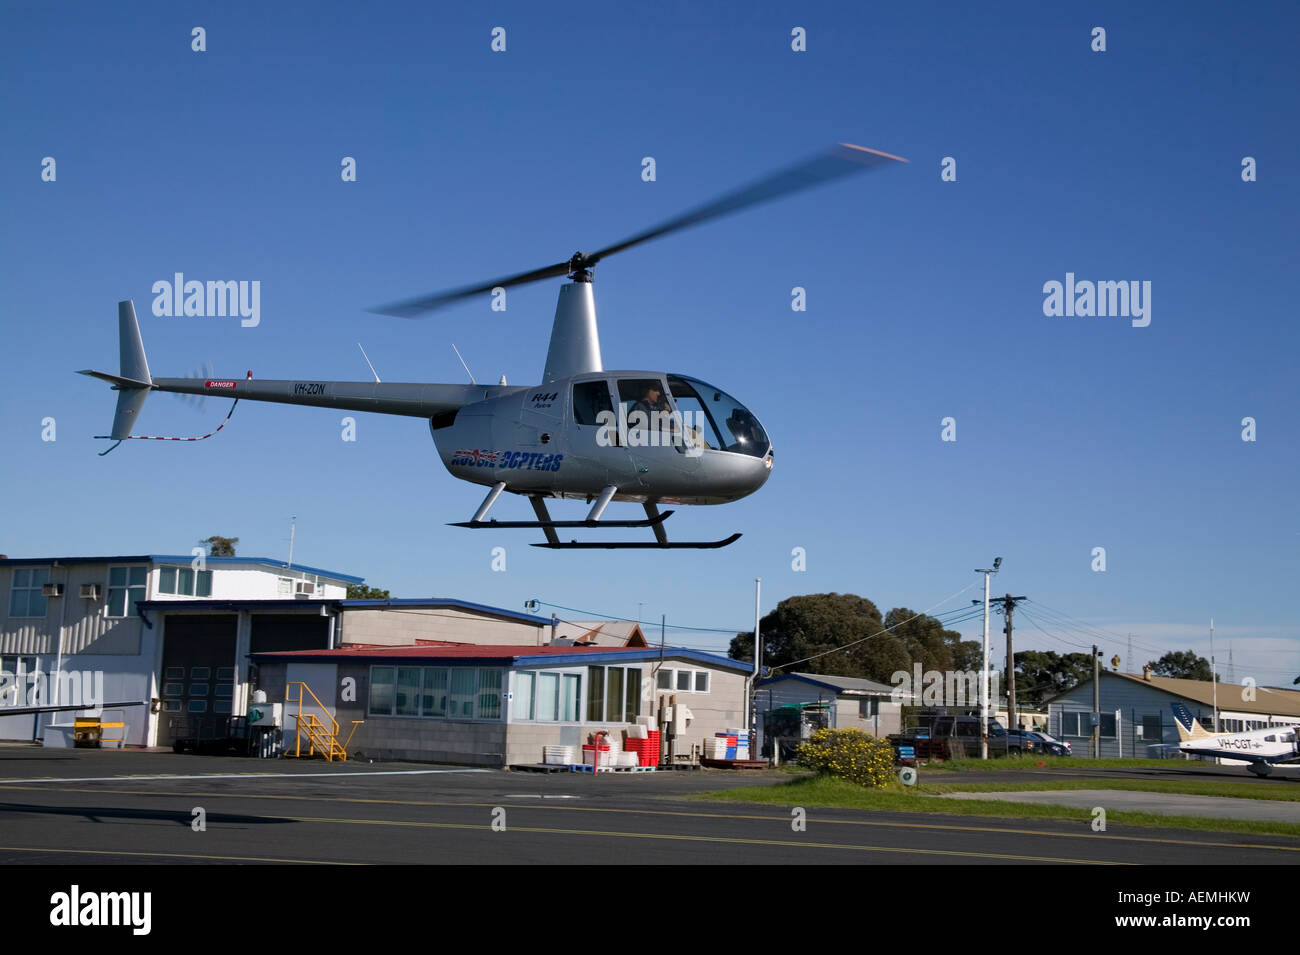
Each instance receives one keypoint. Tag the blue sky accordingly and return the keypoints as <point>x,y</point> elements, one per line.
<point>924,297</point>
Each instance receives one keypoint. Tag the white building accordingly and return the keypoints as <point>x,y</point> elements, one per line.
<point>80,630</point>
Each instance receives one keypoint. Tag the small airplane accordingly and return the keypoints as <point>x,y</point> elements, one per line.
<point>1262,748</point>
<point>584,433</point>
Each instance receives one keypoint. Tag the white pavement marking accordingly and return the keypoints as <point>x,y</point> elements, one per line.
<point>537,796</point>
<point>114,779</point>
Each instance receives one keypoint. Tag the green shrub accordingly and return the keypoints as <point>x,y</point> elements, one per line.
<point>849,754</point>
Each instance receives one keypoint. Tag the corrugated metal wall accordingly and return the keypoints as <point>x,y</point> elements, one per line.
<point>86,629</point>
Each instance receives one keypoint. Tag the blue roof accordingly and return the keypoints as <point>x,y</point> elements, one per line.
<point>265,603</point>
<point>185,559</point>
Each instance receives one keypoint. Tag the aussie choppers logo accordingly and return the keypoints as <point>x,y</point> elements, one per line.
<point>506,460</point>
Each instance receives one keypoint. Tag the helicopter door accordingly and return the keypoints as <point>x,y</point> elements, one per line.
<point>652,430</point>
<point>595,438</point>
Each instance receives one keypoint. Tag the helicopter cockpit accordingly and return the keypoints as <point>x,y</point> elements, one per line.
<point>713,420</point>
<point>687,414</point>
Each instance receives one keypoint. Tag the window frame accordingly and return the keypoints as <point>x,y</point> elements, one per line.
<point>534,675</point>
<point>32,590</point>
<point>200,580</point>
<point>673,680</point>
<point>420,690</point>
<point>128,608</point>
<point>624,692</point>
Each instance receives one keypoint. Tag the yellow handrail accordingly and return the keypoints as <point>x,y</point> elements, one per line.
<point>311,724</point>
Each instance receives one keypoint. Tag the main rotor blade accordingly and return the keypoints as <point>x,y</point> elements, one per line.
<point>841,161</point>
<point>413,308</point>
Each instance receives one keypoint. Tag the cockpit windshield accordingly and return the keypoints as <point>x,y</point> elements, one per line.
<point>714,419</point>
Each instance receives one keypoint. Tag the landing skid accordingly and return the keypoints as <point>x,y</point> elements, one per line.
<point>514,525</point>
<point>653,519</point>
<point>629,545</point>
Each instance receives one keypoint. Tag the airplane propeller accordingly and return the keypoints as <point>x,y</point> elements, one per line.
<point>840,161</point>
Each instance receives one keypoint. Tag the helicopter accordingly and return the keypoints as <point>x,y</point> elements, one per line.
<point>584,433</point>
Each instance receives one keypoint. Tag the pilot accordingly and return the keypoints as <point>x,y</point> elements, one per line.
<point>652,401</point>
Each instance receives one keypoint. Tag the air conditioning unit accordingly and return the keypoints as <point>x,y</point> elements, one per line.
<point>90,591</point>
<point>305,587</point>
<point>51,590</point>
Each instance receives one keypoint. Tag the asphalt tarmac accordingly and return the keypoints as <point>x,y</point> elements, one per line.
<point>88,807</point>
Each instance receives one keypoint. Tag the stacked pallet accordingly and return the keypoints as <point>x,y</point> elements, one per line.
<point>559,755</point>
<point>729,744</point>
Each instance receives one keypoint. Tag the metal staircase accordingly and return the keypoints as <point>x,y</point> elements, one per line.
<point>322,737</point>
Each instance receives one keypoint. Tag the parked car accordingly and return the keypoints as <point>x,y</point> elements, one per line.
<point>1022,741</point>
<point>952,737</point>
<point>1050,745</point>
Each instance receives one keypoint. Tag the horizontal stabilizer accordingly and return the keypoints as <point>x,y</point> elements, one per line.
<point>116,380</point>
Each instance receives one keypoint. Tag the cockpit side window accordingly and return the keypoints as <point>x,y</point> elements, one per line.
<point>590,398</point>
<point>645,403</point>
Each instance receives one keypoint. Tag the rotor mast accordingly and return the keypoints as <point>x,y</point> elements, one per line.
<point>575,340</point>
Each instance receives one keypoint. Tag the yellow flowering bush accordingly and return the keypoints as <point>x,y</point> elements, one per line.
<point>849,754</point>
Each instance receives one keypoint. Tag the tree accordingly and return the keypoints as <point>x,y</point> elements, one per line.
<point>362,592</point>
<point>220,546</point>
<point>1044,673</point>
<point>813,624</point>
<point>1183,665</point>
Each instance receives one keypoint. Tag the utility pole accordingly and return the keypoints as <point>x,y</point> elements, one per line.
<point>1214,678</point>
<point>1008,608</point>
<point>758,671</point>
<point>1096,702</point>
<point>984,670</point>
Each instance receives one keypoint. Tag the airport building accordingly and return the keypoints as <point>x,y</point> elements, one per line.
<point>438,679</point>
<point>1137,720</point>
<point>803,702</point>
<point>496,705</point>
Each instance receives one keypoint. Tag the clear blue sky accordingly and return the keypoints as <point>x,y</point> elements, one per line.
<point>924,297</point>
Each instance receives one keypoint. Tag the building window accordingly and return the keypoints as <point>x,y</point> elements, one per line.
<point>489,695</point>
<point>126,586</point>
<point>548,696</point>
<point>462,694</point>
<point>570,695</point>
<point>683,681</point>
<point>408,691</point>
<point>16,671</point>
<point>436,692</point>
<point>868,708</point>
<point>522,707</point>
<point>614,694</point>
<point>185,582</point>
<point>382,683</point>
<point>25,597</point>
